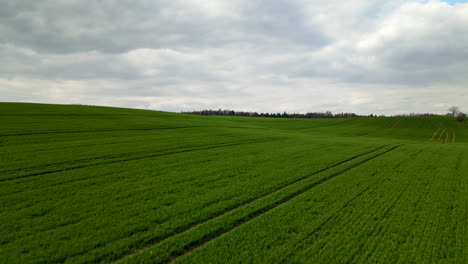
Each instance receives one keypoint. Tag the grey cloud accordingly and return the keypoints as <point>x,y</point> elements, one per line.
<point>114,27</point>
<point>92,65</point>
<point>77,26</point>
<point>256,55</point>
<point>284,21</point>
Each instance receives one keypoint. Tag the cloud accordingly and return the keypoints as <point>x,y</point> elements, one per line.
<point>71,66</point>
<point>258,55</point>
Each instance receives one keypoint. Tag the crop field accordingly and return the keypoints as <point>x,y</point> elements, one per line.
<point>85,184</point>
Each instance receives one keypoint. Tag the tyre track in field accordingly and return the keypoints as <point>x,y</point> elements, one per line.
<point>185,229</point>
<point>441,137</point>
<point>275,205</point>
<point>70,146</point>
<point>380,129</point>
<point>192,226</point>
<point>396,123</point>
<point>117,160</point>
<point>89,144</point>
<point>440,128</point>
<point>93,131</point>
<point>261,211</point>
<point>446,139</point>
<point>85,160</point>
<point>435,134</point>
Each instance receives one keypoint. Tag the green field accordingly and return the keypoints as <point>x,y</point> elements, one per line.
<point>85,184</point>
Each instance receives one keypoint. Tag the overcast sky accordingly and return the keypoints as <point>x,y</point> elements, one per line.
<point>362,56</point>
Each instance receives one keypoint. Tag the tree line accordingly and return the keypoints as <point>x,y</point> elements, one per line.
<point>285,114</point>
<point>452,111</point>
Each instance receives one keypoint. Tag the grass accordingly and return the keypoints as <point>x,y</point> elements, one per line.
<point>82,184</point>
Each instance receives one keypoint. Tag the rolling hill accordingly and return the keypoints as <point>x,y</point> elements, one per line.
<point>81,184</point>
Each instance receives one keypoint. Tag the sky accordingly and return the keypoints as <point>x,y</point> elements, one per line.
<point>372,56</point>
<point>456,1</point>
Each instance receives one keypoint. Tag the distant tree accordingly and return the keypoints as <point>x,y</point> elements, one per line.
<point>285,114</point>
<point>461,117</point>
<point>454,110</point>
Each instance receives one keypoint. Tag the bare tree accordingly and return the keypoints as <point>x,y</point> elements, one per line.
<point>454,110</point>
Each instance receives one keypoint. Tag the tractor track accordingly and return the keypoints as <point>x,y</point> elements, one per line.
<point>275,205</point>
<point>253,215</point>
<point>93,131</point>
<point>444,136</point>
<point>394,124</point>
<point>118,158</point>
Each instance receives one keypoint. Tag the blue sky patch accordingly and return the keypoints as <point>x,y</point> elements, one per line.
<point>452,2</point>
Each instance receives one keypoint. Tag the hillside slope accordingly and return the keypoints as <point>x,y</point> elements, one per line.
<point>83,184</point>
